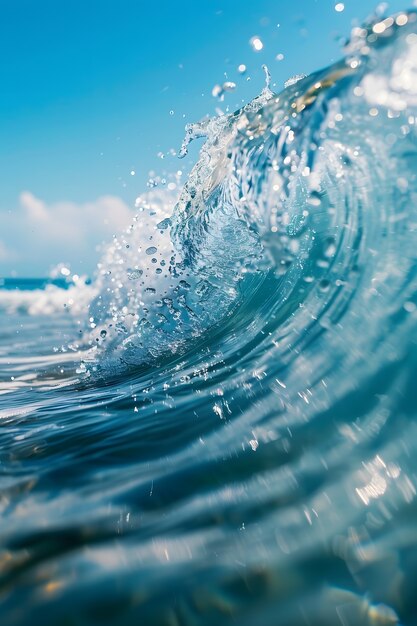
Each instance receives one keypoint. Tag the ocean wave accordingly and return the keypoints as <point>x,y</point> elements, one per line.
<point>246,397</point>
<point>292,190</point>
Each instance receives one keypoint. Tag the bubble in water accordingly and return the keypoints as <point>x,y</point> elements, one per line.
<point>242,68</point>
<point>339,7</point>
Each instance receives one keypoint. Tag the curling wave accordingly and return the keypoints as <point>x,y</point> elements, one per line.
<point>255,434</point>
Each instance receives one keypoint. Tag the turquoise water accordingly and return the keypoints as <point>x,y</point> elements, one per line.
<point>221,426</point>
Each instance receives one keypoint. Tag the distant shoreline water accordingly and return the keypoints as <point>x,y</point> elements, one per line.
<point>30,284</point>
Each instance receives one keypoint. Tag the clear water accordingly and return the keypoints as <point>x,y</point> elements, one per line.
<point>221,427</point>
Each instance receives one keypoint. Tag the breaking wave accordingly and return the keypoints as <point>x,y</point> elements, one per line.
<point>238,439</point>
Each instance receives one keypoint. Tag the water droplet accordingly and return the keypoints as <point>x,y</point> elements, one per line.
<point>401,20</point>
<point>267,76</point>
<point>217,92</point>
<point>134,274</point>
<point>256,43</point>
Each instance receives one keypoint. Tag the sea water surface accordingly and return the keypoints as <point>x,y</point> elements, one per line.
<point>221,427</point>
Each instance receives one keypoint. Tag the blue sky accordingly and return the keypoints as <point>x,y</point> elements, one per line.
<point>88,88</point>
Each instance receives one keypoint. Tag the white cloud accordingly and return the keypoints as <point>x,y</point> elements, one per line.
<point>42,234</point>
<point>35,208</point>
<point>106,215</point>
